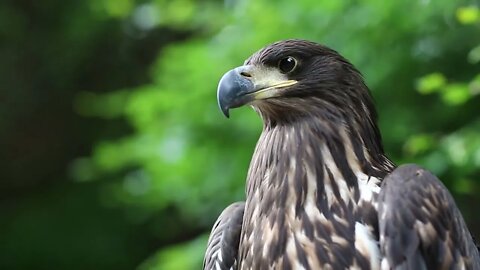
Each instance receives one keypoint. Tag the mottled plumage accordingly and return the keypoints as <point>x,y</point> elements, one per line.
<point>321,194</point>
<point>223,249</point>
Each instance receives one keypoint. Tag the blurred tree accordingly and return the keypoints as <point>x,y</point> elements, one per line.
<point>165,161</point>
<point>50,51</point>
<point>184,154</point>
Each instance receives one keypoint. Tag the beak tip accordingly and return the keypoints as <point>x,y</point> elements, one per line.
<point>223,105</point>
<point>226,111</point>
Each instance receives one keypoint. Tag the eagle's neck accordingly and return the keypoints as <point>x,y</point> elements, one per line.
<point>308,178</point>
<point>311,152</point>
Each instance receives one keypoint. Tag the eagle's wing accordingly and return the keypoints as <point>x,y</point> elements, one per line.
<point>420,225</point>
<point>222,247</point>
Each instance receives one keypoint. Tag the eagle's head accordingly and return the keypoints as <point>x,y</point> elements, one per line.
<point>304,85</point>
<point>292,79</point>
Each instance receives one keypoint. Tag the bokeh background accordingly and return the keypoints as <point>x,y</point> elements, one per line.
<point>115,156</point>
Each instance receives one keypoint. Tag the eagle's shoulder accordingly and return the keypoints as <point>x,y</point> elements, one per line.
<point>420,225</point>
<point>222,247</point>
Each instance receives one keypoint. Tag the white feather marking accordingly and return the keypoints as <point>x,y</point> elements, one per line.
<point>310,202</point>
<point>384,265</point>
<point>292,254</point>
<point>218,255</point>
<point>269,236</point>
<point>368,186</point>
<point>328,190</point>
<point>345,192</point>
<point>427,231</point>
<point>311,209</point>
<point>322,218</point>
<point>386,210</point>
<point>340,220</point>
<point>355,266</point>
<point>365,243</point>
<point>339,240</point>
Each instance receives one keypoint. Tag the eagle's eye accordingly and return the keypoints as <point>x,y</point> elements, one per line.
<point>287,64</point>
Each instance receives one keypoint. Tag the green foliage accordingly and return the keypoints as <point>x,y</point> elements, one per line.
<point>431,83</point>
<point>451,93</point>
<point>468,15</point>
<point>182,256</point>
<point>183,154</point>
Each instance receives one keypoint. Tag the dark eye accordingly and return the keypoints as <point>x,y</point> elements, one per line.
<point>287,64</point>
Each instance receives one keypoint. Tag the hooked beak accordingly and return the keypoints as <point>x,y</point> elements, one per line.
<point>246,84</point>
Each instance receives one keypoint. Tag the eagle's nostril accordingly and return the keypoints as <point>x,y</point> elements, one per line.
<point>245,74</point>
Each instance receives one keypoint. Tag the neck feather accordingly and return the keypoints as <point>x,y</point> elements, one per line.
<point>306,179</point>
<point>303,155</point>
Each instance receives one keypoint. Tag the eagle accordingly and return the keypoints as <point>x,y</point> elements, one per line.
<point>320,191</point>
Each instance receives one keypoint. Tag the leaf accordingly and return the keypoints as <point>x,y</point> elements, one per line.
<point>187,255</point>
<point>468,15</point>
<point>431,83</point>
<point>474,55</point>
<point>456,94</point>
<point>418,144</point>
<point>474,85</point>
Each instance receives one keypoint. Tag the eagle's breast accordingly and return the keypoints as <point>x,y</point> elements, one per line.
<point>312,217</point>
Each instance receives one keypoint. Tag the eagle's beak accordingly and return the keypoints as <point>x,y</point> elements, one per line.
<point>245,84</point>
